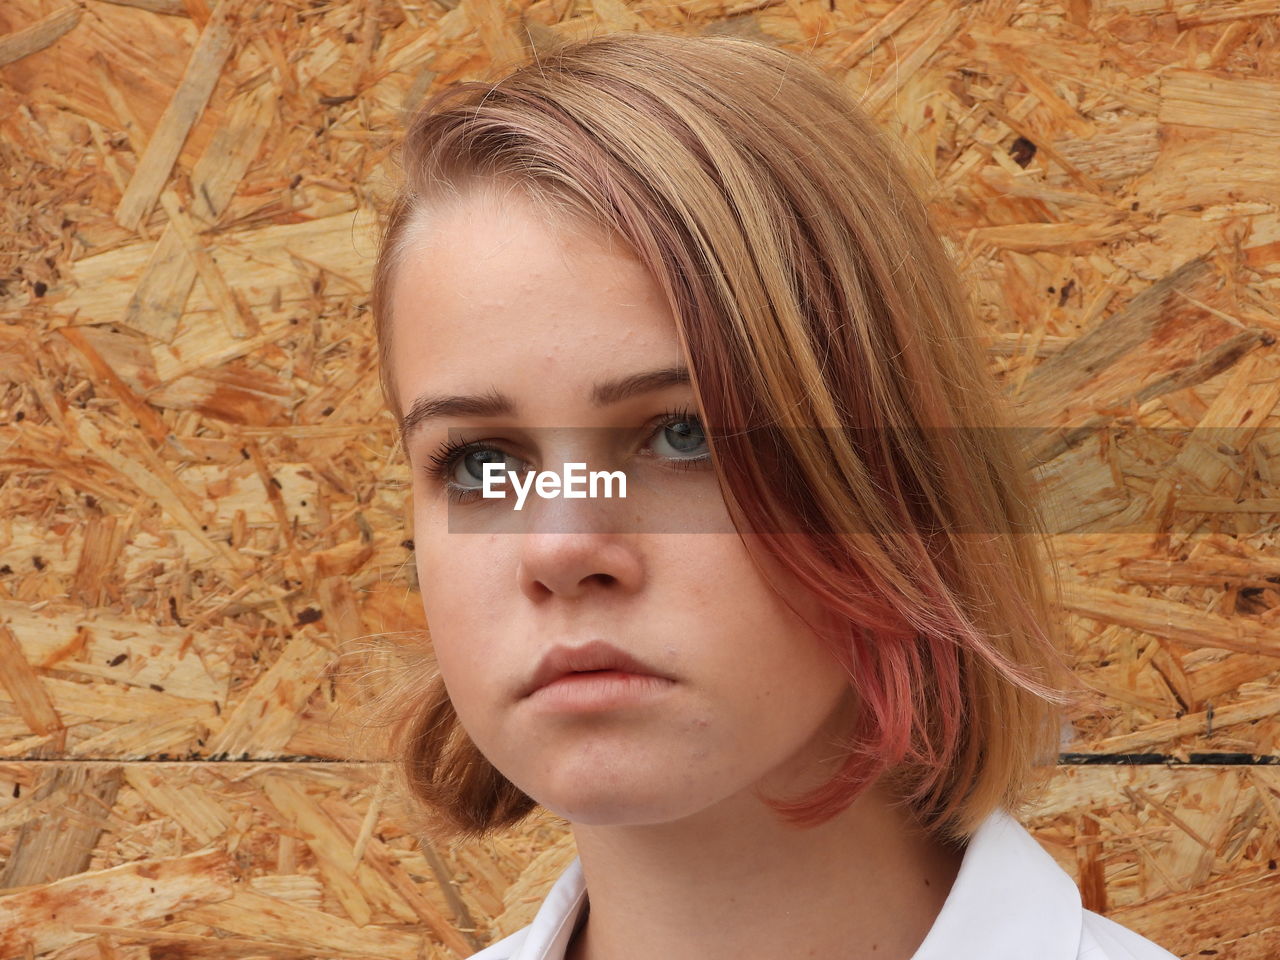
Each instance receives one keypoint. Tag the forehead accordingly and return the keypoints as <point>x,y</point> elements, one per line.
<point>487,287</point>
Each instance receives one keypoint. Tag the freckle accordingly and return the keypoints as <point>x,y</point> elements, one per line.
<point>926,881</point>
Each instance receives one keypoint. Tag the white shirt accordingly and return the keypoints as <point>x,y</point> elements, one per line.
<point>1010,901</point>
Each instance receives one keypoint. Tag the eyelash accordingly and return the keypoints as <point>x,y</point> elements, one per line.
<point>441,463</point>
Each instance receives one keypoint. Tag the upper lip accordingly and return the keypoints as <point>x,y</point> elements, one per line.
<point>596,655</point>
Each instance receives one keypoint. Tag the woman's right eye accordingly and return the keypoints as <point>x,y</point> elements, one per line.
<point>460,467</point>
<point>471,464</point>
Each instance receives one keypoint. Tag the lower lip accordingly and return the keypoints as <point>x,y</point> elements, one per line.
<point>599,690</point>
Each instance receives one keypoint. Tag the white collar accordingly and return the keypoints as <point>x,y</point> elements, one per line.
<point>1009,901</point>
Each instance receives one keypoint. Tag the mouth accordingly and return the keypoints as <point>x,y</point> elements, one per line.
<point>596,657</point>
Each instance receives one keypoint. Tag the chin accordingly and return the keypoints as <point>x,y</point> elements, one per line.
<point>621,804</point>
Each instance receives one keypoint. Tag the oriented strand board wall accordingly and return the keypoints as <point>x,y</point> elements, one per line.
<point>200,503</point>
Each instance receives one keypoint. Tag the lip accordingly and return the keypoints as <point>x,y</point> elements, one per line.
<point>597,655</point>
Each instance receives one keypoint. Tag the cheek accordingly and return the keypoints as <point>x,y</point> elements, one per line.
<point>717,580</point>
<point>778,654</point>
<point>439,557</point>
<point>725,614</point>
<point>453,583</point>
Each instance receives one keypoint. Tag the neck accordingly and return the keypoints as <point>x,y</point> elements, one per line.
<point>735,881</point>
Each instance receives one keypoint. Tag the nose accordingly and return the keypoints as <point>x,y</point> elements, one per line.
<point>572,564</point>
<point>571,546</point>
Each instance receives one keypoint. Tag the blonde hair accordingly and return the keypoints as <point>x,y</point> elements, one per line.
<point>836,363</point>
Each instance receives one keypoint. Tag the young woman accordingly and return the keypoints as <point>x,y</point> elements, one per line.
<point>792,688</point>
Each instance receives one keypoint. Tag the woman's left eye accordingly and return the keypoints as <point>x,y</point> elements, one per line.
<point>681,432</point>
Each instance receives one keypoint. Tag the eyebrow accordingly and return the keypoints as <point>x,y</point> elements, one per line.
<point>497,404</point>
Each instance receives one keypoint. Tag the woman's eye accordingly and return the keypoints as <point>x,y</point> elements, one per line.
<point>681,439</point>
<point>468,467</point>
<point>678,440</point>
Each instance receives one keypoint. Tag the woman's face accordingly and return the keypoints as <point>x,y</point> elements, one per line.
<point>491,299</point>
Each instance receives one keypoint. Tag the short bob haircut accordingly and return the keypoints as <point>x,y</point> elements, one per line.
<point>809,290</point>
